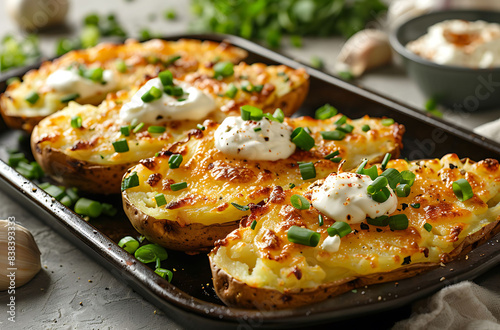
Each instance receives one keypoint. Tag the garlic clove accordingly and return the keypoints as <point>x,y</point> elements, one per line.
<point>24,263</point>
<point>365,50</point>
<point>32,15</point>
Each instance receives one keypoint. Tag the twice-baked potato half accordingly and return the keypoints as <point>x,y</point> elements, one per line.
<point>83,154</point>
<point>192,219</point>
<point>88,75</point>
<point>258,266</point>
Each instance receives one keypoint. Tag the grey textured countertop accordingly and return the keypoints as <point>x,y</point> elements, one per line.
<point>72,291</point>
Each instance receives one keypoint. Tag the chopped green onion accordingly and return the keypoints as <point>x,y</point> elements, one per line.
<point>339,228</point>
<point>386,159</point>
<point>66,201</point>
<point>129,244</point>
<point>365,128</point>
<point>398,222</point>
<point>247,87</point>
<point>377,184</point>
<point>32,97</point>
<point>91,208</point>
<point>300,202</point>
<point>44,185</point>
<point>121,66</point>
<point>69,97</point>
<point>150,253</point>
<point>121,146</point>
<point>387,121</point>
<point>303,236</point>
<point>361,167</point>
<point>347,128</point>
<point>16,158</point>
<point>138,127</point>
<point>317,62</point>
<point>325,112</point>
<point>462,189</point>
<point>94,74</point>
<point>223,69</point>
<point>125,130</point>
<point>346,75</point>
<point>393,177</point>
<point>279,115</point>
<point>109,210</point>
<point>372,172</point>
<point>160,200</point>
<point>174,90</point>
<point>258,88</point>
<point>253,225</point>
<point>178,186</point>
<point>336,159</point>
<point>241,207</point>
<point>415,205</point>
<point>55,192</point>
<point>200,127</point>
<point>382,195</point>
<point>333,135</point>
<point>76,121</point>
<point>152,94</point>
<point>231,91</point>
<point>307,171</point>
<point>249,112</point>
<point>175,161</point>
<point>379,221</point>
<point>408,177</point>
<point>403,190</point>
<point>71,193</point>
<point>332,155</point>
<point>428,227</point>
<point>257,129</point>
<point>130,181</point>
<point>172,60</point>
<point>302,139</point>
<point>341,121</point>
<point>165,273</point>
<point>166,78</point>
<point>156,129</point>
<point>321,220</point>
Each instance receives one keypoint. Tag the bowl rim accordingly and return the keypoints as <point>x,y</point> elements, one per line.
<point>404,52</point>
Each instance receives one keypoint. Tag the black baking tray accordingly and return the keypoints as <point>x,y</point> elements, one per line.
<point>190,298</point>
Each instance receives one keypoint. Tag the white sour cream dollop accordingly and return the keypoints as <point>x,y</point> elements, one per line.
<point>69,81</point>
<point>238,138</point>
<point>196,106</point>
<point>343,197</point>
<point>331,244</point>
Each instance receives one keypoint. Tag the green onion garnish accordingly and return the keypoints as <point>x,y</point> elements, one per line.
<point>387,121</point>
<point>365,128</point>
<point>398,222</point>
<point>257,129</point>
<point>321,220</point>
<point>223,69</point>
<point>55,192</point>
<point>200,127</point>
<point>66,201</point>
<point>171,60</point>
<point>339,228</point>
<point>403,190</point>
<point>303,236</point>
<point>129,244</point>
<point>336,159</point>
<point>382,195</point>
<point>408,177</point>
<point>130,181</point>
<point>341,121</point>
<point>258,88</point>
<point>121,146</point>
<point>241,207</point>
<point>249,112</point>
<point>145,255</point>
<point>125,130</point>
<point>231,91</point>
<point>386,159</point>
<point>361,167</point>
<point>121,66</point>
<point>165,273</point>
<point>16,158</point>
<point>393,177</point>
<point>325,112</point>
<point>178,186</point>
<point>279,115</point>
<point>71,193</point>
<point>160,200</point>
<point>332,155</point>
<point>109,210</point>
<point>166,78</point>
<point>379,221</point>
<point>333,135</point>
<point>94,74</point>
<point>428,227</point>
<point>175,161</point>
<point>302,139</point>
<point>307,171</point>
<point>347,128</point>
<point>69,97</point>
<point>76,121</point>
<point>156,129</point>
<point>300,202</point>
<point>372,172</point>
<point>32,97</point>
<point>377,185</point>
<point>254,223</point>
<point>152,94</point>
<point>462,189</point>
<point>415,205</point>
<point>138,127</point>
<point>88,207</point>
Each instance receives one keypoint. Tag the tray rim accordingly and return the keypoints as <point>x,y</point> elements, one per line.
<point>121,261</point>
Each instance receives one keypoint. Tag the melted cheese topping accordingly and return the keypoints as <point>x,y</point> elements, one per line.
<point>343,197</point>
<point>255,140</point>
<point>69,81</point>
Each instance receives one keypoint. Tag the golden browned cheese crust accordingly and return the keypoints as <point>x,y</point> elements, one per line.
<point>263,263</point>
<point>85,158</point>
<point>216,180</point>
<point>143,60</point>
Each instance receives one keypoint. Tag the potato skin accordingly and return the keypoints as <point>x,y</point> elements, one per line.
<point>191,238</point>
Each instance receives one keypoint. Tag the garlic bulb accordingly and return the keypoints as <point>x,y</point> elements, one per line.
<point>19,255</point>
<point>365,50</point>
<point>32,15</point>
